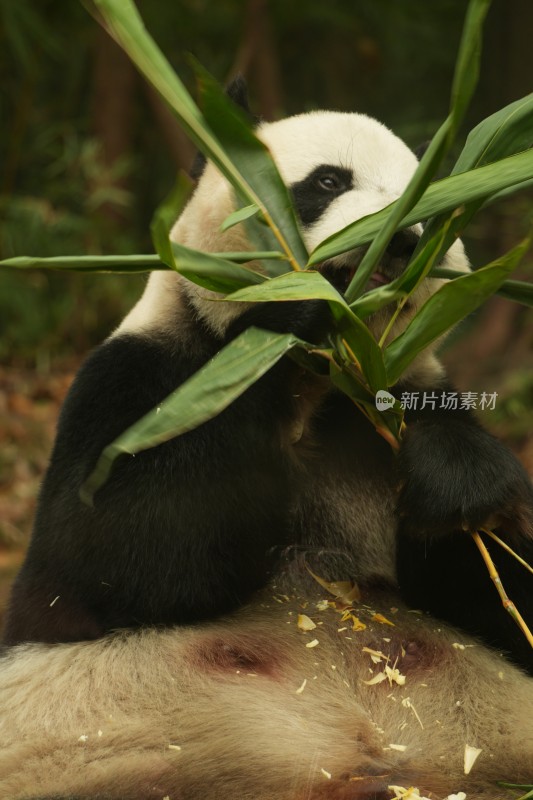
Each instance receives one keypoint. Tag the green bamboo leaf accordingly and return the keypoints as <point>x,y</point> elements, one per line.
<point>205,395</point>
<point>447,194</point>
<point>244,256</point>
<point>508,131</point>
<point>464,83</point>
<point>504,133</point>
<point>253,160</point>
<point>308,285</point>
<point>397,211</point>
<point>527,787</point>
<point>211,271</point>
<point>165,216</point>
<point>346,382</point>
<point>518,291</point>
<point>313,286</point>
<point>450,304</point>
<point>467,65</point>
<point>376,299</point>
<point>127,264</point>
<point>406,283</point>
<point>239,216</point>
<point>126,26</point>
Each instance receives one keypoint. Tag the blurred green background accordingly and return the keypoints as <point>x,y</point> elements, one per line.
<point>89,150</point>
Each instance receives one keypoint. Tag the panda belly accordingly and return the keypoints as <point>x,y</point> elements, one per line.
<point>253,708</point>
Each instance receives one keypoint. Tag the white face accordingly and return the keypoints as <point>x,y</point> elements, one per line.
<point>379,164</point>
<point>340,168</point>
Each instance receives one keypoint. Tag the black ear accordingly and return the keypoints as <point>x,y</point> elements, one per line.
<point>421,149</point>
<point>237,91</point>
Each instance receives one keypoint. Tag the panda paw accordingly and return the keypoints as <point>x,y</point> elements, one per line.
<point>461,478</point>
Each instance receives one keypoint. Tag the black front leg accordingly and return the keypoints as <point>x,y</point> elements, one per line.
<point>458,478</point>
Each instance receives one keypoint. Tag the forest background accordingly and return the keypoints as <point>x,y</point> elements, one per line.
<point>89,150</point>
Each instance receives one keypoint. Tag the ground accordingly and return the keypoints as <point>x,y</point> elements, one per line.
<point>29,407</point>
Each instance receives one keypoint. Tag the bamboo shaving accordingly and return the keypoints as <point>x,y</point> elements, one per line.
<point>471,756</point>
<point>375,655</point>
<point>390,674</point>
<point>401,793</point>
<point>305,623</point>
<point>382,620</point>
<point>346,591</point>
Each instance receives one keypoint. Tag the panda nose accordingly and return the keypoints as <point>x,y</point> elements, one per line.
<point>403,245</point>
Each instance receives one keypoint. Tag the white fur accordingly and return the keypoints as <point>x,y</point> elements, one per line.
<point>106,718</point>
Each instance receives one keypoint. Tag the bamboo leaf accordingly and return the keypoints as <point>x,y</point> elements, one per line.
<point>128,264</point>
<point>450,304</point>
<point>239,216</point>
<point>390,421</point>
<point>126,26</point>
<point>518,291</point>
<point>465,80</point>
<point>205,395</point>
<point>254,162</point>
<point>467,65</point>
<point>406,283</point>
<point>502,134</point>
<point>165,216</point>
<point>211,271</point>
<point>313,286</point>
<point>508,131</point>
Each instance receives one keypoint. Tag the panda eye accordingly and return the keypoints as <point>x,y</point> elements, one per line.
<point>328,182</point>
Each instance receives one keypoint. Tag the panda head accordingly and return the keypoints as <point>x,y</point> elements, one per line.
<point>339,167</point>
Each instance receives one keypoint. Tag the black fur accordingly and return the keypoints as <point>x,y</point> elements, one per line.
<point>312,195</point>
<point>237,91</point>
<point>457,476</point>
<point>179,532</point>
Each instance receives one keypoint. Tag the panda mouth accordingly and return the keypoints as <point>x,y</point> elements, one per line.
<point>340,271</point>
<point>341,276</point>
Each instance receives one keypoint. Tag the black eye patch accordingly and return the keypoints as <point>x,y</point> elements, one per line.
<point>316,191</point>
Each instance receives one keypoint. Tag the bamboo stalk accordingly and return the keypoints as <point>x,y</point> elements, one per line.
<point>507,548</point>
<point>506,602</point>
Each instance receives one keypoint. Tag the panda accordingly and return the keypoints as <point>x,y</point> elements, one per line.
<point>190,530</point>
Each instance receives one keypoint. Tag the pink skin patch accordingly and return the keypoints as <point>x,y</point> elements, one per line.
<point>232,654</point>
<point>414,656</point>
<point>377,280</point>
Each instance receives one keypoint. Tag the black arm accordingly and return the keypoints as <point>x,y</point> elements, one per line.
<point>457,477</point>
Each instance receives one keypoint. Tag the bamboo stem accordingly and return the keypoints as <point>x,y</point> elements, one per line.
<point>507,548</point>
<point>506,602</point>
